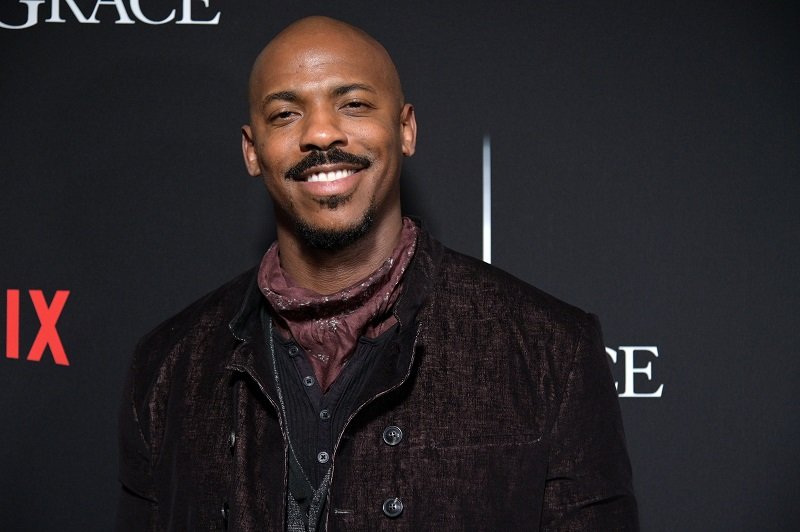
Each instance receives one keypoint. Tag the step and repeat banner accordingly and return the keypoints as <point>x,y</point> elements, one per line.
<point>639,161</point>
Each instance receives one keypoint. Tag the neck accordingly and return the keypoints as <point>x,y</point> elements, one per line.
<point>329,271</point>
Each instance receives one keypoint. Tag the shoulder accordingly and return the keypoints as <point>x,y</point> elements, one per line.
<point>485,290</point>
<point>211,311</point>
<point>483,317</point>
<point>196,336</point>
<point>182,356</point>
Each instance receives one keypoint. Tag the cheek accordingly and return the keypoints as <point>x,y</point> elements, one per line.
<point>275,158</point>
<point>376,139</point>
<point>272,185</point>
<point>280,194</point>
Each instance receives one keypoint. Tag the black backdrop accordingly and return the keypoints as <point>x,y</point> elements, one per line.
<point>644,167</point>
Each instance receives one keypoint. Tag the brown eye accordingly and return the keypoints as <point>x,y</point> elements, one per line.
<point>355,107</point>
<point>282,117</point>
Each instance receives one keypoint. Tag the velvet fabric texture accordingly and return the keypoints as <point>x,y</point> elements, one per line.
<point>503,394</point>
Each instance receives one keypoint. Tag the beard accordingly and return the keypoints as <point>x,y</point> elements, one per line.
<point>335,239</point>
<point>331,239</point>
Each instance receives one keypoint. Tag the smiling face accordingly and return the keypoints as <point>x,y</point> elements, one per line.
<point>328,133</point>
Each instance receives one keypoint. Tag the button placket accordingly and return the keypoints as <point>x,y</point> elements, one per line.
<point>392,436</point>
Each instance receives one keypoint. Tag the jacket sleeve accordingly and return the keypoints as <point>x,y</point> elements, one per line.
<point>137,507</point>
<point>588,484</point>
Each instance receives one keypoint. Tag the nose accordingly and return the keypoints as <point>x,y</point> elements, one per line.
<point>321,130</point>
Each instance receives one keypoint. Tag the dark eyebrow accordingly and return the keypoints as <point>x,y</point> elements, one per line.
<point>291,96</point>
<point>286,96</point>
<point>344,89</point>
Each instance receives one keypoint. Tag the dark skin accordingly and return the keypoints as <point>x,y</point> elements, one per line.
<point>322,85</point>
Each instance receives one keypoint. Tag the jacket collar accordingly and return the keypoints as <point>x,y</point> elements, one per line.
<point>418,280</point>
<point>243,325</point>
<point>246,326</point>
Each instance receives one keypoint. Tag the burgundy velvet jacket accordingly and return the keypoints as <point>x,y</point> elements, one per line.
<point>503,394</point>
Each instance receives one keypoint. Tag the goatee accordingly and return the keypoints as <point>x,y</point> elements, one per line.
<point>334,239</point>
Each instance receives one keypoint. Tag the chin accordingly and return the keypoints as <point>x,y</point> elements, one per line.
<point>334,238</point>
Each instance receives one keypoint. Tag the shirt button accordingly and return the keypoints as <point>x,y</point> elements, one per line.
<point>392,435</point>
<point>293,350</point>
<point>392,507</point>
<point>324,414</point>
<point>323,457</point>
<point>308,380</point>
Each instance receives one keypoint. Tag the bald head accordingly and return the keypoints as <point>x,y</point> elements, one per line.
<point>313,40</point>
<point>328,133</point>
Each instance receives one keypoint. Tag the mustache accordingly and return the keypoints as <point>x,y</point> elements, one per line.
<point>319,157</point>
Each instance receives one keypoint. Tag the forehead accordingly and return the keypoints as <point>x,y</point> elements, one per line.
<point>318,60</point>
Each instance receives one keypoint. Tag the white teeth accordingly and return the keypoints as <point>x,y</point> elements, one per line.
<point>329,176</point>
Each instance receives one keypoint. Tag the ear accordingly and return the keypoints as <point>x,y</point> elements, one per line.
<point>408,129</point>
<point>249,152</point>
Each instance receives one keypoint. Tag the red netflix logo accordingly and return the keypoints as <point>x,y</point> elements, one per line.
<point>47,336</point>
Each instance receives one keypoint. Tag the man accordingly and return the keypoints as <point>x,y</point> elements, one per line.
<point>364,377</point>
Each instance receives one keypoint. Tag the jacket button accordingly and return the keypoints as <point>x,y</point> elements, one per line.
<point>324,414</point>
<point>392,435</point>
<point>232,440</point>
<point>392,507</point>
<point>323,457</point>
